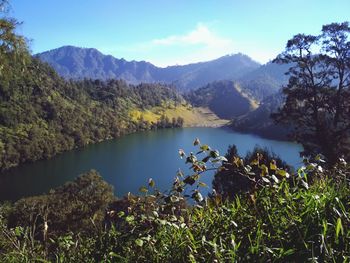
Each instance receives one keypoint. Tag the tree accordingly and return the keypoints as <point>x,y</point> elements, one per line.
<point>78,205</point>
<point>14,53</point>
<point>235,177</point>
<point>317,96</point>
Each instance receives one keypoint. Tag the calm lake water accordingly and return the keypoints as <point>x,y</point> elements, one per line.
<point>128,162</point>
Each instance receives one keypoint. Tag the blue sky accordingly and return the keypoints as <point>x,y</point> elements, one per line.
<point>169,32</point>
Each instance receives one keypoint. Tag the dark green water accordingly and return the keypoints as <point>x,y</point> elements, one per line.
<point>128,162</point>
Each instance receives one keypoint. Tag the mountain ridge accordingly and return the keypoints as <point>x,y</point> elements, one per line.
<point>78,63</point>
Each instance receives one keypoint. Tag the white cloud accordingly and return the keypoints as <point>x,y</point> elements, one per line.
<point>201,35</point>
<point>202,44</point>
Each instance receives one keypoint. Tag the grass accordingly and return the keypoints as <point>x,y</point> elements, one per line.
<point>193,117</point>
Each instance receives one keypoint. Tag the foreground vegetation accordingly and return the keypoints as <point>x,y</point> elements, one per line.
<point>279,217</point>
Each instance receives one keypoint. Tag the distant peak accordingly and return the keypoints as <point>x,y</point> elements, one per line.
<point>72,48</point>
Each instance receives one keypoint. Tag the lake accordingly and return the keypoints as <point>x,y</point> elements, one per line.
<point>128,162</point>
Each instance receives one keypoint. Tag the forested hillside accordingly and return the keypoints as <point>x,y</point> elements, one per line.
<point>259,121</point>
<point>41,114</point>
<point>224,98</point>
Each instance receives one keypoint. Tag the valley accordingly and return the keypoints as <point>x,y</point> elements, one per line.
<point>232,87</point>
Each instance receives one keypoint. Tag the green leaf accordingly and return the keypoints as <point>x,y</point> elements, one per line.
<point>151,182</point>
<point>139,242</point>
<point>311,167</point>
<point>115,255</point>
<point>319,158</point>
<point>339,228</point>
<point>205,147</point>
<point>121,214</point>
<point>42,260</point>
<point>202,184</point>
<point>130,218</point>
<point>18,231</point>
<point>191,258</point>
<point>143,189</point>
<point>289,252</point>
<point>214,154</point>
<point>301,172</point>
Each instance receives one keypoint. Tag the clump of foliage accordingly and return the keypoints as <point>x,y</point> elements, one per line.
<point>245,174</point>
<point>296,220</point>
<point>54,221</point>
<point>318,93</point>
<point>66,208</point>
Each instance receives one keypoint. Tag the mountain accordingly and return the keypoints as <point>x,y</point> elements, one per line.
<point>224,98</point>
<point>229,67</point>
<point>78,63</point>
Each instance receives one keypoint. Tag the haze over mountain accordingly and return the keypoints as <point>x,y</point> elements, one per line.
<point>78,63</point>
<point>266,80</point>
